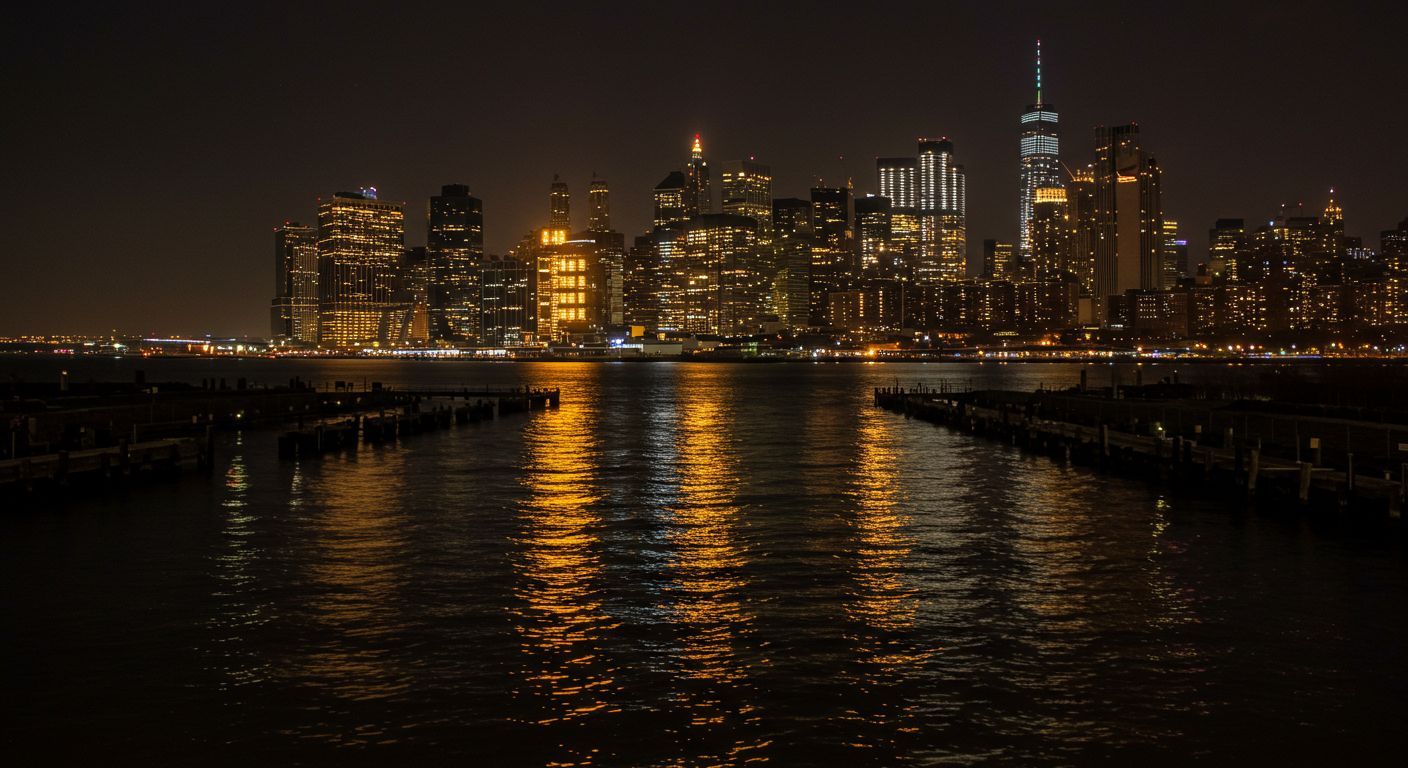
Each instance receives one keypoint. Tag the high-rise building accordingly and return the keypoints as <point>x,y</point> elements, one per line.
<point>792,245</point>
<point>1227,250</point>
<point>724,292</point>
<point>455,247</point>
<point>746,187</point>
<point>598,205</point>
<point>1128,213</point>
<point>1050,228</point>
<point>698,196</point>
<point>360,243</point>
<point>942,203</point>
<point>506,301</point>
<point>670,203</point>
<point>560,206</point>
<point>873,235</point>
<point>294,311</point>
<point>1039,157</point>
<point>1174,256</point>
<point>897,181</point>
<point>999,262</point>
<point>1393,248</point>
<point>1080,210</point>
<point>831,268</point>
<point>642,283</point>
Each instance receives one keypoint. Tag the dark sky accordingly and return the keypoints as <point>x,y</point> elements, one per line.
<point>151,148</point>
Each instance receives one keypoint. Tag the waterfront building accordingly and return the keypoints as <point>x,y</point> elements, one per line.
<point>1173,257</point>
<point>414,290</point>
<point>1080,212</point>
<point>1050,236</point>
<point>1393,248</point>
<point>723,289</point>
<point>642,284</point>
<point>1039,158</point>
<point>1227,250</point>
<point>506,304</point>
<point>1128,214</point>
<point>792,248</point>
<point>831,268</point>
<point>455,248</point>
<point>360,243</point>
<point>294,310</point>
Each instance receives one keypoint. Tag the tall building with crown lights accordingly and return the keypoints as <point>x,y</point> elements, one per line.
<point>1039,158</point>
<point>698,195</point>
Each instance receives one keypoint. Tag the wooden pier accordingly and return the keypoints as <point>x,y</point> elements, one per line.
<point>166,457</point>
<point>1229,459</point>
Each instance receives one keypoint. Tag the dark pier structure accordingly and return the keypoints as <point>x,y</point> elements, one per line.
<point>1277,453</point>
<point>55,435</point>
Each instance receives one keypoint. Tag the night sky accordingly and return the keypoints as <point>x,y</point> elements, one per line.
<point>151,149</point>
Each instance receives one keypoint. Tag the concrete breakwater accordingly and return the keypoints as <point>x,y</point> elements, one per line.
<point>1246,448</point>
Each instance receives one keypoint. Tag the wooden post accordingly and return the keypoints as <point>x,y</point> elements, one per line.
<point>1304,494</point>
<point>1105,440</point>
<point>1253,469</point>
<point>1349,472</point>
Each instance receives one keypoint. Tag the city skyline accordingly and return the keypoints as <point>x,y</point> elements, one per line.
<point>202,274</point>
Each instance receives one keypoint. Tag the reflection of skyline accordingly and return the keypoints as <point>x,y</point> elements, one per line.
<point>357,568</point>
<point>236,572</point>
<point>561,616</point>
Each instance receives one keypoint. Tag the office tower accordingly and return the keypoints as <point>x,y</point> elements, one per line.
<point>1174,257</point>
<point>294,311</point>
<point>897,181</point>
<point>942,204</point>
<point>670,202</point>
<point>609,249</point>
<point>1128,213</point>
<point>506,301</point>
<point>675,275</point>
<point>642,282</point>
<point>792,244</point>
<point>792,217</point>
<point>1050,236</point>
<point>831,254</point>
<point>1080,210</point>
<point>360,240</point>
<point>873,235</point>
<point>698,197</point>
<point>998,260</point>
<point>723,291</point>
<point>1393,248</point>
<point>598,205</point>
<point>413,291</point>
<point>1227,250</point>
<point>455,245</point>
<point>559,206</point>
<point>1039,158</point>
<point>746,187</point>
<point>573,306</point>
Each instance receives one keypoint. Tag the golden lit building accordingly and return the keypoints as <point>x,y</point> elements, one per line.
<point>294,312</point>
<point>360,242</point>
<point>747,191</point>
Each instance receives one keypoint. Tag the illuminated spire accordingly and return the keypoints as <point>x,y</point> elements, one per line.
<point>698,151</point>
<point>1333,212</point>
<point>1038,71</point>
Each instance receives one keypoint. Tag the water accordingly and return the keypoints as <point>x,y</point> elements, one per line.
<point>688,565</point>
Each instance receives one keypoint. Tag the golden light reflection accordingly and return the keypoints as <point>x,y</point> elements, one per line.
<point>562,619</point>
<point>355,572</point>
<point>242,613</point>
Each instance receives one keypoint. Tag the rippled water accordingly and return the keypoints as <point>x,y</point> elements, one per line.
<point>691,565</point>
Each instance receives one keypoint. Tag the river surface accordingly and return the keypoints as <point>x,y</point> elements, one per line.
<point>687,564</point>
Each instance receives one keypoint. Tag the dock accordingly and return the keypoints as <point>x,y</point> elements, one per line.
<point>1257,453</point>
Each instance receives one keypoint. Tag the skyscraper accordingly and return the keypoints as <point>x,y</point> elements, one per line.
<point>698,196</point>
<point>1051,230</point>
<point>792,245</point>
<point>897,181</point>
<point>723,291</point>
<point>360,242</point>
<point>1128,215</point>
<point>560,206</point>
<point>1039,156</point>
<point>598,205</point>
<point>670,204</point>
<point>455,247</point>
<point>746,187</point>
<point>294,312</point>
<point>942,203</point>
<point>506,301</point>
<point>998,260</point>
<point>831,253</point>
<point>873,235</point>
